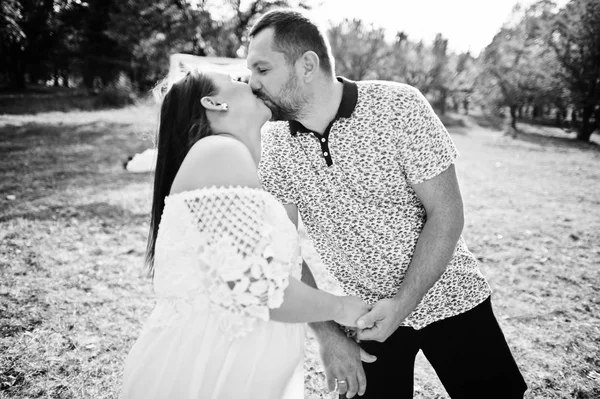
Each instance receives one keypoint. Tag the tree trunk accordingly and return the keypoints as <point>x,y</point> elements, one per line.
<point>513,117</point>
<point>586,128</point>
<point>443,96</point>
<point>560,116</point>
<point>17,73</point>
<point>56,77</point>
<point>65,77</point>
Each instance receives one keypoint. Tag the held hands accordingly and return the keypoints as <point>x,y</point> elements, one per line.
<point>342,357</point>
<point>370,323</point>
<point>381,322</point>
<point>351,308</point>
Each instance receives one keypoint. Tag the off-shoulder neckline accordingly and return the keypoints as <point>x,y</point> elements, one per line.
<point>214,188</point>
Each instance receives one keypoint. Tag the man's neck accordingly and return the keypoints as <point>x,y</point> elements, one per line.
<point>324,107</point>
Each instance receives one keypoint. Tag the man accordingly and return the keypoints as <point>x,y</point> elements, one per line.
<point>370,168</point>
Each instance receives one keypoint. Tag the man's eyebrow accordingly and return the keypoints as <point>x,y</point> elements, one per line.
<point>255,63</point>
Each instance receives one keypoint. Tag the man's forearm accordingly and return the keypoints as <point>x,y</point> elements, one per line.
<point>324,328</point>
<point>432,255</point>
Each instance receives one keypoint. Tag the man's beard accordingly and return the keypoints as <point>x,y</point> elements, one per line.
<point>279,112</point>
<point>288,106</point>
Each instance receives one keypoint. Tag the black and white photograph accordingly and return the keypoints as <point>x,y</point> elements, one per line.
<point>300,199</point>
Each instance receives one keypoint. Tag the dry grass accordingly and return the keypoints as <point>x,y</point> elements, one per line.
<point>73,293</point>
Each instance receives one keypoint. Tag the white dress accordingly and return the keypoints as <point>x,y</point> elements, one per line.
<point>223,258</point>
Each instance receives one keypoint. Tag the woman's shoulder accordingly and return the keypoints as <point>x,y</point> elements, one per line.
<point>216,161</point>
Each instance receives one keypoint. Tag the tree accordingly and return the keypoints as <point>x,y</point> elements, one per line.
<point>150,32</point>
<point>233,18</point>
<point>411,63</point>
<point>575,38</point>
<point>441,74</point>
<point>26,38</point>
<point>463,81</point>
<point>358,48</point>
<point>12,42</point>
<point>517,69</point>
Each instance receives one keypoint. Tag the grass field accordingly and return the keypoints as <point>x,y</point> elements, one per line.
<point>73,223</point>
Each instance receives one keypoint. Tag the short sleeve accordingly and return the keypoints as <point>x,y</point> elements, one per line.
<point>425,146</point>
<point>242,273</point>
<point>272,175</point>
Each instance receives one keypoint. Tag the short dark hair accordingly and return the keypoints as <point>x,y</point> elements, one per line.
<point>295,34</point>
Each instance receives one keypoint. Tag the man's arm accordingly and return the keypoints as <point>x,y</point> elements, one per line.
<point>341,356</point>
<point>445,220</point>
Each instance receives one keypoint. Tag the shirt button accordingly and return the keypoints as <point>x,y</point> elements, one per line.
<point>323,139</point>
<point>325,153</point>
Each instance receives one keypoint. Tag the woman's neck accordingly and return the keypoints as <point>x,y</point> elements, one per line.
<point>251,139</point>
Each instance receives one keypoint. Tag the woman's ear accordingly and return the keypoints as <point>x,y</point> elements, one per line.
<point>211,104</point>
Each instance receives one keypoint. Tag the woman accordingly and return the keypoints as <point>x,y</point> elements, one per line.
<point>224,256</point>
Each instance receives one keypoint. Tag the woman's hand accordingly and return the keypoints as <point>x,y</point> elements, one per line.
<point>351,309</point>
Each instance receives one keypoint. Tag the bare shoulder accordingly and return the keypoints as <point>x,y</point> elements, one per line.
<point>216,161</point>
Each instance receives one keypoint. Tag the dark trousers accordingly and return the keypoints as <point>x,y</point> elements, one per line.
<point>468,352</point>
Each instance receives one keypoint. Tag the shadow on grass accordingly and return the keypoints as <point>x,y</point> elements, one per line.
<point>492,122</point>
<point>108,213</point>
<point>544,139</point>
<point>57,135</point>
<point>453,120</point>
<point>38,99</point>
<point>36,158</point>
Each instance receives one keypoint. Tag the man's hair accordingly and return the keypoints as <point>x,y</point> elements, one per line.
<point>295,34</point>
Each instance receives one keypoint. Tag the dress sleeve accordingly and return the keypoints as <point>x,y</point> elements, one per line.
<point>425,147</point>
<point>243,275</point>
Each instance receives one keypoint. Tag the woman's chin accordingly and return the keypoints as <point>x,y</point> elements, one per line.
<point>266,112</point>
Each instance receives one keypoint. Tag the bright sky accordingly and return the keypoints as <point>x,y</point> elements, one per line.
<point>468,24</point>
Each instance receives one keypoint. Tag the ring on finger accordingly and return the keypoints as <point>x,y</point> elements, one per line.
<point>337,385</point>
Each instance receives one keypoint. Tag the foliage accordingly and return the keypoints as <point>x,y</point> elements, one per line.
<point>517,68</point>
<point>93,42</point>
<point>575,37</point>
<point>542,64</point>
<point>116,95</point>
<point>357,48</point>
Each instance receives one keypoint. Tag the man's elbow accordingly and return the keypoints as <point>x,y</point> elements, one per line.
<point>459,221</point>
<point>451,221</point>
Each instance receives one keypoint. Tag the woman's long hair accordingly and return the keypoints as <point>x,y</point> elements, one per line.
<point>183,122</point>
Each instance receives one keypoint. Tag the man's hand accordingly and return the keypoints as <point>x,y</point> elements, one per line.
<point>381,321</point>
<point>342,358</point>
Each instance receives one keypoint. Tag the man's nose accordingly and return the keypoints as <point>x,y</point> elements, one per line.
<point>254,83</point>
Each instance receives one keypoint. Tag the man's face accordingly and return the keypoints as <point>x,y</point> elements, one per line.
<point>273,79</point>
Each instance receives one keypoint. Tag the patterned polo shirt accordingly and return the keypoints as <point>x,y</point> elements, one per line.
<point>353,189</point>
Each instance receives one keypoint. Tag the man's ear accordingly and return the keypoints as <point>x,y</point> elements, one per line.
<point>309,65</point>
<point>211,104</point>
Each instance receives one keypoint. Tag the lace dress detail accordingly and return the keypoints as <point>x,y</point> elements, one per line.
<point>223,258</point>
<point>230,250</point>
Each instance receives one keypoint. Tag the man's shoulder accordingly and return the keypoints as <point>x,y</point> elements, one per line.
<point>273,137</point>
<point>399,95</point>
<point>276,128</point>
<point>388,87</point>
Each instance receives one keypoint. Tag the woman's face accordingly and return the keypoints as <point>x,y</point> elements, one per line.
<point>241,102</point>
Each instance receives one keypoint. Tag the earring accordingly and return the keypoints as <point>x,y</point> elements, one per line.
<point>224,107</point>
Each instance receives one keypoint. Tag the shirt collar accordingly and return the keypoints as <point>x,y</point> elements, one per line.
<point>347,105</point>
